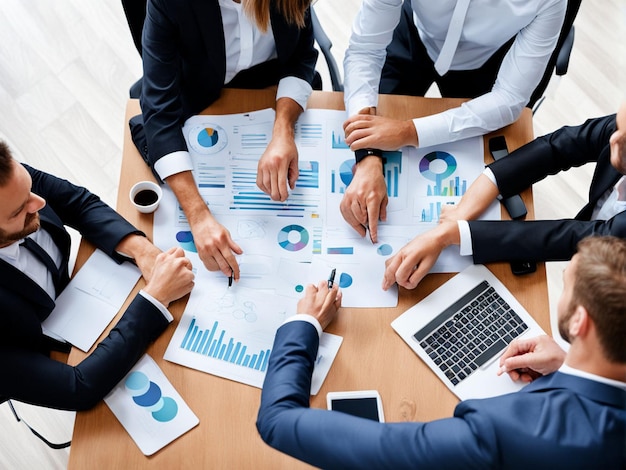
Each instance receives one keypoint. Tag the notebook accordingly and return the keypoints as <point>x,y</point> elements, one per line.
<point>462,329</point>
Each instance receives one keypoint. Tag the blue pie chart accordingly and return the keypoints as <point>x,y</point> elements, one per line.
<point>345,172</point>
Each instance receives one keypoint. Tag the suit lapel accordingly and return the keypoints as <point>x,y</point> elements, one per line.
<point>604,178</point>
<point>20,284</point>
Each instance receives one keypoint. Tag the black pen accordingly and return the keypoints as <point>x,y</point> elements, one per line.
<point>230,278</point>
<point>331,278</point>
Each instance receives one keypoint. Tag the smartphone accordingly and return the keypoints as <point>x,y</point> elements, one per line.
<point>361,403</point>
<point>514,205</point>
<point>520,268</point>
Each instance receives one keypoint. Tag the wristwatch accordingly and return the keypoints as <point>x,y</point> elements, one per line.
<point>362,153</point>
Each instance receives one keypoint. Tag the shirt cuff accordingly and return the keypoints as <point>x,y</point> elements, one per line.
<point>465,236</point>
<point>172,163</point>
<point>432,130</point>
<point>489,174</point>
<point>168,316</point>
<point>295,88</point>
<point>307,318</point>
<point>354,105</point>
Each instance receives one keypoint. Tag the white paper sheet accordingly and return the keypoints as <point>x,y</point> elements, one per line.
<point>226,149</point>
<point>91,300</point>
<point>229,332</point>
<point>149,408</point>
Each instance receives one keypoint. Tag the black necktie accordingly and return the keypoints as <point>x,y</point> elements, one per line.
<point>60,277</point>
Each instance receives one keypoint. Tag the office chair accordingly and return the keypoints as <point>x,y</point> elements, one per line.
<point>324,43</point>
<point>559,61</point>
<point>135,12</point>
<point>50,444</point>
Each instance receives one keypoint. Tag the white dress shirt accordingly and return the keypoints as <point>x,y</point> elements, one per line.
<point>246,46</point>
<point>487,26</point>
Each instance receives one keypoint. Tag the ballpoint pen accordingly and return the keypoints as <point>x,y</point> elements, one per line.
<point>331,278</point>
<point>230,278</point>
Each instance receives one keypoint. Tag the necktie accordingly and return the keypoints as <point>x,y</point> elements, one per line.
<point>60,277</point>
<point>442,65</point>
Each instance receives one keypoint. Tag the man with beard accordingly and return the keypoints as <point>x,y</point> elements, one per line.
<point>572,415</point>
<point>34,254</point>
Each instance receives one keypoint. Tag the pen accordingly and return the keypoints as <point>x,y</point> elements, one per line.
<point>230,278</point>
<point>331,278</point>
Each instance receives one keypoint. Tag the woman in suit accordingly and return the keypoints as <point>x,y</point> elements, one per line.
<point>192,49</point>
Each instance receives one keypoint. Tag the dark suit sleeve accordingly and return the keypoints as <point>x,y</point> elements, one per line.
<point>299,60</point>
<point>83,211</point>
<point>161,97</point>
<point>568,147</point>
<point>330,439</point>
<point>540,240</point>
<point>35,378</point>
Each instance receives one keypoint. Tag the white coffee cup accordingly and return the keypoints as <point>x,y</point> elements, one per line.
<point>146,196</point>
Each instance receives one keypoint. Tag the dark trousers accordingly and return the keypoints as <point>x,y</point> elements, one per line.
<point>408,69</point>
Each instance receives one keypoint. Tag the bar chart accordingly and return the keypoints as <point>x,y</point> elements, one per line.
<point>217,343</point>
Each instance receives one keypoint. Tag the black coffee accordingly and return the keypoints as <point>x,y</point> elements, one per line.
<point>145,197</point>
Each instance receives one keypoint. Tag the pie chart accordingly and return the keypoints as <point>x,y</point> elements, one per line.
<point>207,139</point>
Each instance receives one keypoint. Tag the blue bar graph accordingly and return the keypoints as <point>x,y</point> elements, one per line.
<point>223,348</point>
<point>393,168</point>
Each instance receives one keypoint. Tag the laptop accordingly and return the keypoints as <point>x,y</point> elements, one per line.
<point>462,329</point>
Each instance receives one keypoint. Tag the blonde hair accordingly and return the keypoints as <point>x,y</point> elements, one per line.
<point>294,11</point>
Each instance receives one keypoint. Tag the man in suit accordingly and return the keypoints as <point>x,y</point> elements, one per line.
<point>573,416</point>
<point>191,51</point>
<point>600,140</point>
<point>34,254</point>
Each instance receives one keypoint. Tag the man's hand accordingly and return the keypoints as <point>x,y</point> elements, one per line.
<point>213,242</point>
<point>409,266</point>
<point>321,302</point>
<point>141,250</point>
<point>277,166</point>
<point>365,199</point>
<point>527,359</point>
<point>215,245</point>
<point>364,130</point>
<point>172,277</point>
<point>279,163</point>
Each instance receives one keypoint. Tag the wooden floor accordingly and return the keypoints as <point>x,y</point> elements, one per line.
<point>65,70</point>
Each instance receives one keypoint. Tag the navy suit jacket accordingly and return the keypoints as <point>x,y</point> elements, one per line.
<point>184,62</point>
<point>28,373</point>
<point>550,240</point>
<point>557,421</point>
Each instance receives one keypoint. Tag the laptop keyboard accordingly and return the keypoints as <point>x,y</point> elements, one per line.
<point>470,332</point>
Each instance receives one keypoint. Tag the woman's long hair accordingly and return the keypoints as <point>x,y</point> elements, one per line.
<point>292,10</point>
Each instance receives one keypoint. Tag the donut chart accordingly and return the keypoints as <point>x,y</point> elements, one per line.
<point>293,237</point>
<point>207,139</point>
<point>436,166</point>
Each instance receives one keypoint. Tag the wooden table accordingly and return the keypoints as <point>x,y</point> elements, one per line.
<point>372,355</point>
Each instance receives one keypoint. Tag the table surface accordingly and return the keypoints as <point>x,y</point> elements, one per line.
<point>372,355</point>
